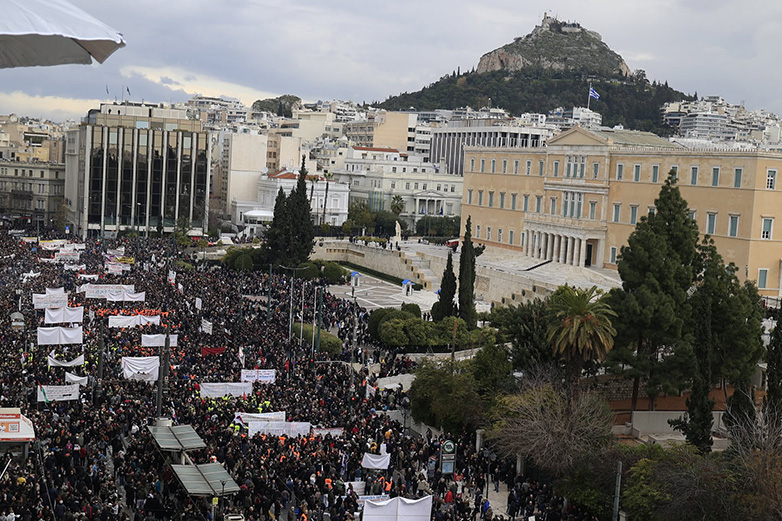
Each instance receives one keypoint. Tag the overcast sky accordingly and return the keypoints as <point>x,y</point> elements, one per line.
<point>368,50</point>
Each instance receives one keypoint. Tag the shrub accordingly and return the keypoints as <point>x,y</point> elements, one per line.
<point>413,309</point>
<point>333,272</point>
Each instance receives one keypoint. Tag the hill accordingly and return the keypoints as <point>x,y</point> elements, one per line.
<point>549,68</point>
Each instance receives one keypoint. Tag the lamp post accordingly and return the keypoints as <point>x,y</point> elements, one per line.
<point>222,499</point>
<point>162,382</point>
<point>290,314</point>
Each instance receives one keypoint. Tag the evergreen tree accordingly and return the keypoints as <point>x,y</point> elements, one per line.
<point>657,269</point>
<point>467,279</point>
<point>444,305</point>
<point>302,232</point>
<point>276,238</point>
<point>774,369</point>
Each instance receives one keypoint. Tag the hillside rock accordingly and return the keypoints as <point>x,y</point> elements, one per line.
<point>557,46</point>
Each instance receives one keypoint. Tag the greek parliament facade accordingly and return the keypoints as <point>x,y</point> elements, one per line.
<point>134,166</point>
<point>577,200</point>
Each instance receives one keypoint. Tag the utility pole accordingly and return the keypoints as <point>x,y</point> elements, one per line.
<point>617,490</point>
<point>320,315</point>
<point>269,300</point>
<point>162,379</point>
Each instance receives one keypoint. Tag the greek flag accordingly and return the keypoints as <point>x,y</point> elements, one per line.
<point>593,93</point>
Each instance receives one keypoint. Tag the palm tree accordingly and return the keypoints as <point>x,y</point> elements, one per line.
<point>397,204</point>
<point>580,328</point>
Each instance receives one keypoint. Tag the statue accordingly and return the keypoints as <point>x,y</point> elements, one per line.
<point>398,236</point>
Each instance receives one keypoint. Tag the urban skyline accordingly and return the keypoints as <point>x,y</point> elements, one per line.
<point>360,52</point>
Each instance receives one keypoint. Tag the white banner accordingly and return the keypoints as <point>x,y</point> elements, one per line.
<point>273,428</point>
<point>145,368</point>
<point>398,509</point>
<point>53,362</point>
<point>55,291</point>
<point>102,290</point>
<point>74,379</point>
<point>43,301</point>
<point>53,244</point>
<point>157,340</point>
<point>67,256</point>
<point>113,268</point>
<point>206,327</point>
<point>264,376</point>
<point>86,276</point>
<point>75,267</point>
<point>376,461</point>
<point>126,296</point>
<point>220,389</point>
<point>58,393</point>
<point>64,315</point>
<point>48,336</point>
<point>198,303</point>
<point>246,417</point>
<point>335,432</point>
<point>359,487</point>
<point>119,252</point>
<point>171,276</point>
<point>133,320</point>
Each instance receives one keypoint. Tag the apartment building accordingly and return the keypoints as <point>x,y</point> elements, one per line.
<point>31,192</point>
<point>577,200</point>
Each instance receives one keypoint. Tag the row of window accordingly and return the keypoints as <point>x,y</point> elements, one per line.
<point>488,237</point>
<point>571,207</point>
<point>576,167</point>
<point>26,172</point>
<point>440,187</point>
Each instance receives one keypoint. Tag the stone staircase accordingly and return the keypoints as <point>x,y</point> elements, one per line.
<point>420,272</point>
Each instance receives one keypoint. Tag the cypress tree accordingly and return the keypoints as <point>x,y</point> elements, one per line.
<point>302,232</point>
<point>467,279</point>
<point>444,305</point>
<point>276,239</point>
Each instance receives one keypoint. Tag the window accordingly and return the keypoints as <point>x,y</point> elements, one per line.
<point>526,202</point>
<point>711,223</point>
<point>538,203</point>
<point>472,164</point>
<point>469,196</point>
<point>592,209</point>
<point>529,167</point>
<point>499,235</point>
<point>439,187</point>
<point>516,167</point>
<point>556,168</point>
<point>569,166</point>
<point>407,186</point>
<point>595,170</point>
<point>513,201</point>
<point>715,176</point>
<point>583,164</point>
<point>493,165</point>
<point>613,255</point>
<point>762,278</point>
<point>737,177</point>
<point>522,239</point>
<point>651,210</point>
<point>694,175</point>
<point>675,170</point>
<point>483,165</point>
<point>552,205</point>
<point>733,226</point>
<point>768,226</point>
<point>692,214</point>
<point>393,185</point>
<point>633,214</point>
<point>491,199</point>
<point>502,200</point>
<point>480,197</point>
<point>510,237</point>
<point>636,173</point>
<point>540,167</point>
<point>655,173</point>
<point>619,171</point>
<point>771,179</point>
<point>488,233</point>
<point>504,166</point>
<point>617,210</point>
<point>477,231</point>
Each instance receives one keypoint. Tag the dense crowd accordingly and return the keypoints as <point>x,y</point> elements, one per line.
<point>94,458</point>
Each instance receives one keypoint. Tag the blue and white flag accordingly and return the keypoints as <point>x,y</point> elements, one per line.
<point>593,93</point>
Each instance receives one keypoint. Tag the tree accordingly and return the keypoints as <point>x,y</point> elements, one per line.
<point>182,227</point>
<point>656,268</point>
<point>542,423</point>
<point>276,238</point>
<point>467,279</point>
<point>526,327</point>
<point>443,396</point>
<point>327,177</point>
<point>774,368</point>
<point>397,204</point>
<point>492,371</point>
<point>579,328</point>
<point>360,215</point>
<point>302,232</point>
<point>438,226</point>
<point>444,305</point>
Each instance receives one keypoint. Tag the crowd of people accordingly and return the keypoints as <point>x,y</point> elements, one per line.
<point>95,459</point>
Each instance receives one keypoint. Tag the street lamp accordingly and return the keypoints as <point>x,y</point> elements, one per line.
<point>222,499</point>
